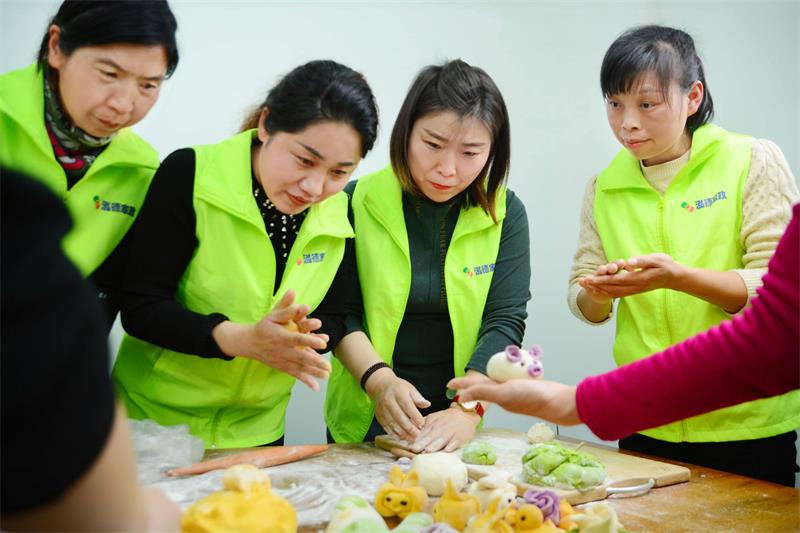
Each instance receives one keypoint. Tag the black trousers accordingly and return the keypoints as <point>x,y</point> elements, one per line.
<point>771,458</point>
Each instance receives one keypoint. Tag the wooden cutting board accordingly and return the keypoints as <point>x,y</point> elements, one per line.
<point>509,445</point>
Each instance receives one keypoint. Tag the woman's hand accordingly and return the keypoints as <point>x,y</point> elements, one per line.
<point>548,400</point>
<point>596,292</point>
<point>397,404</point>
<point>446,430</point>
<point>635,276</point>
<point>271,341</point>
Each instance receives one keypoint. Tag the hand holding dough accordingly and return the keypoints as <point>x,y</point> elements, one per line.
<point>515,363</point>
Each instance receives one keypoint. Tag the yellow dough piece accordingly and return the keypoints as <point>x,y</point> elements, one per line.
<point>489,521</point>
<point>245,505</point>
<point>401,495</point>
<point>455,508</point>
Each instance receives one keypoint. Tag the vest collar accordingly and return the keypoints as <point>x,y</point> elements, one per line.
<point>625,172</point>
<point>383,199</point>
<point>23,100</point>
<point>230,189</point>
<point>22,95</point>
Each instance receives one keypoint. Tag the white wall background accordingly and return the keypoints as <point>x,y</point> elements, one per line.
<point>545,57</point>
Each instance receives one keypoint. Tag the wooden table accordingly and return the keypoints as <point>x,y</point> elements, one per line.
<point>712,501</point>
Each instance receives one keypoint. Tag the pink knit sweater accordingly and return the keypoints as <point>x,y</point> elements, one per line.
<point>755,355</point>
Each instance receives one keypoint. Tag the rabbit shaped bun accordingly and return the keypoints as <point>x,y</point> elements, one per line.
<point>516,363</point>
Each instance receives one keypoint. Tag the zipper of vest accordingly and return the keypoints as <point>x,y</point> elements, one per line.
<point>665,245</point>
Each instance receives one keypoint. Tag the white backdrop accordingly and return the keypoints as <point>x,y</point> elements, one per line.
<point>544,56</point>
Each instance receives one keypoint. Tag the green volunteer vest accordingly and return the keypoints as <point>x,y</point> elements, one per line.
<point>241,402</point>
<point>697,222</point>
<point>384,271</point>
<point>104,203</point>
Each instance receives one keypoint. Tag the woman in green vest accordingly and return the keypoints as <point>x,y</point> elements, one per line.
<point>442,251</point>
<point>680,227</point>
<point>236,242</point>
<point>65,120</point>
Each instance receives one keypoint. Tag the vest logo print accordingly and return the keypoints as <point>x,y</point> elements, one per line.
<point>311,258</point>
<point>114,207</point>
<point>705,202</point>
<point>479,270</point>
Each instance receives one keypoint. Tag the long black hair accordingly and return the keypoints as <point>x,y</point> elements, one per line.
<point>319,91</point>
<point>469,92</point>
<point>667,52</point>
<point>100,22</point>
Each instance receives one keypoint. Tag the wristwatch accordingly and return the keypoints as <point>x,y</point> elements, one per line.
<point>471,407</point>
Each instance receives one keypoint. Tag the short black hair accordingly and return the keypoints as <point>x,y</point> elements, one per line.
<point>101,22</point>
<point>320,91</point>
<point>455,86</point>
<point>667,52</point>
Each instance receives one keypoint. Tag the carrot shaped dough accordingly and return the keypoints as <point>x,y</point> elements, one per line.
<point>269,456</point>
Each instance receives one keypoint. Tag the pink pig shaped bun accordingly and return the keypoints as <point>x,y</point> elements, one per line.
<point>515,363</point>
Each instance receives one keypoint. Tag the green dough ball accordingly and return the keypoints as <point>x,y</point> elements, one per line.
<point>413,523</point>
<point>479,453</point>
<point>552,465</point>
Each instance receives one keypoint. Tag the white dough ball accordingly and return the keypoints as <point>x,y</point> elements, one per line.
<point>540,432</point>
<point>434,469</point>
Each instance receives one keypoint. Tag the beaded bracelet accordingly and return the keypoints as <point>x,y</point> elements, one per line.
<point>368,372</point>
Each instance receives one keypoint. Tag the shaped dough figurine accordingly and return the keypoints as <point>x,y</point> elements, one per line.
<point>246,504</point>
<point>493,487</point>
<point>353,514</point>
<point>552,465</point>
<point>455,508</point>
<point>553,507</point>
<point>479,453</point>
<point>441,527</point>
<point>515,363</point>
<point>567,511</point>
<point>527,518</point>
<point>414,523</point>
<point>489,521</point>
<point>540,432</point>
<point>597,518</point>
<point>547,501</point>
<point>401,495</point>
<point>436,468</point>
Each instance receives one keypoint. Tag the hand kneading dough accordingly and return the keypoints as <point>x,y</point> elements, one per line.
<point>435,469</point>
